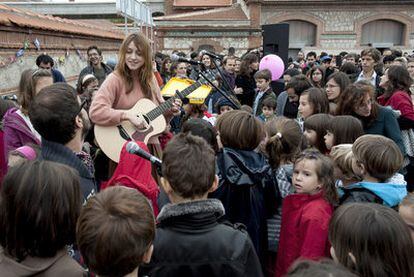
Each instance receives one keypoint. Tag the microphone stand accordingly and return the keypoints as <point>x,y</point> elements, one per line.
<point>223,93</point>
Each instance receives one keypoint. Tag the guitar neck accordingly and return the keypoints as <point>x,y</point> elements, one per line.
<point>161,109</point>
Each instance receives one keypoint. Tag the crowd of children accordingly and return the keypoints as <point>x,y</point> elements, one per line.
<point>311,180</point>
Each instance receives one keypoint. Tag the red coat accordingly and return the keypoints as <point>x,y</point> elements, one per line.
<point>401,101</point>
<point>304,230</point>
<point>135,172</point>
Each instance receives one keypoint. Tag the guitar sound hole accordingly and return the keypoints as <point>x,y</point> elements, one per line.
<point>147,120</point>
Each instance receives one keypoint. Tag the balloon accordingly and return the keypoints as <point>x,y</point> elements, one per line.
<point>275,64</point>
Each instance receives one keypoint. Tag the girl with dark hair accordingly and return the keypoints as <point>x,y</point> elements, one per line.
<point>165,70</point>
<point>335,85</point>
<point>34,240</point>
<point>306,213</point>
<point>343,129</point>
<point>17,127</point>
<point>284,143</point>
<point>245,80</point>
<point>315,128</point>
<point>371,240</point>
<point>316,76</point>
<point>312,101</point>
<point>207,66</point>
<point>358,101</point>
<point>396,83</point>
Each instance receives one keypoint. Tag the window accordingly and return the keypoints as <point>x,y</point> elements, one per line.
<point>382,33</point>
<point>301,34</point>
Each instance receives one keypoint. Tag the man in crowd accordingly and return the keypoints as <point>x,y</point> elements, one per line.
<point>229,64</point>
<point>370,57</point>
<point>96,66</point>
<point>352,58</point>
<point>300,58</point>
<point>310,61</point>
<point>44,61</point>
<point>57,114</point>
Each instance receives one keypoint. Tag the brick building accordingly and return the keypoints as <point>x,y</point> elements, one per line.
<point>321,25</point>
<point>64,40</point>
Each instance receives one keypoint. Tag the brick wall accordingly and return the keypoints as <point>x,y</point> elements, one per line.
<point>54,44</point>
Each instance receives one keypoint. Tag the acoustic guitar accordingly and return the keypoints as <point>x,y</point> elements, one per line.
<point>112,138</point>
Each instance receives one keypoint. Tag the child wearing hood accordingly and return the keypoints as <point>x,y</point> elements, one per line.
<point>246,186</point>
<point>376,159</point>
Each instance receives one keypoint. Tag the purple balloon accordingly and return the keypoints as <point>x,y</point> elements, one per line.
<point>275,64</point>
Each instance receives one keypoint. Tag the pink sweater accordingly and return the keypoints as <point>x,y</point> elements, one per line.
<point>110,100</point>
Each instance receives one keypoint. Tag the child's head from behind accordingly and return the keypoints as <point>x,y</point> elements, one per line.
<point>115,231</point>
<point>240,130</point>
<point>371,240</point>
<point>23,153</point>
<point>342,157</point>
<point>285,139</point>
<point>269,107</point>
<point>39,207</point>
<point>263,79</point>
<point>188,168</point>
<point>315,128</point>
<point>406,211</point>
<point>202,128</point>
<point>313,101</point>
<point>314,172</point>
<point>343,129</point>
<point>376,157</point>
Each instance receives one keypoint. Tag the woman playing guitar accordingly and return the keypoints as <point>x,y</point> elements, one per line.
<point>132,80</point>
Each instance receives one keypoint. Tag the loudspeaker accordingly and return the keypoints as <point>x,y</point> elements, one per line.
<point>276,40</point>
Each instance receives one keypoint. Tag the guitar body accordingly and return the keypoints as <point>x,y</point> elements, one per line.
<point>110,139</point>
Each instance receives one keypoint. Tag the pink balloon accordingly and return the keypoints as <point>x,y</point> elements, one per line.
<point>275,64</point>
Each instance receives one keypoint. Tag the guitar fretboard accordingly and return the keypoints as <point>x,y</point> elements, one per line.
<point>161,109</point>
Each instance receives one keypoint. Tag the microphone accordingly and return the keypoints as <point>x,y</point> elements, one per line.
<point>133,148</point>
<point>215,56</point>
<point>176,58</point>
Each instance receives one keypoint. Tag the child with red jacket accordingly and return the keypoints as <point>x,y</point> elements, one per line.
<point>306,214</point>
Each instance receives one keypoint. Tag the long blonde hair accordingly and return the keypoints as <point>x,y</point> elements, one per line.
<point>145,74</point>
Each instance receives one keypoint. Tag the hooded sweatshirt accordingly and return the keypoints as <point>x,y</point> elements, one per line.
<point>388,194</point>
<point>247,191</point>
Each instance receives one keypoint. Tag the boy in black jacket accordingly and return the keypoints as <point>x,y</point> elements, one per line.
<point>190,241</point>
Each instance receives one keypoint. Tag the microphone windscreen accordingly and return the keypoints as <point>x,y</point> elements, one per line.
<point>175,57</point>
<point>131,147</point>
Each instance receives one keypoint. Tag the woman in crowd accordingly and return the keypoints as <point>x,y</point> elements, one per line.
<point>358,100</point>
<point>245,83</point>
<point>396,83</point>
<point>316,76</point>
<point>17,128</point>
<point>165,70</point>
<point>131,81</point>
<point>179,69</point>
<point>335,85</point>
